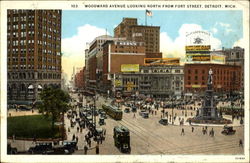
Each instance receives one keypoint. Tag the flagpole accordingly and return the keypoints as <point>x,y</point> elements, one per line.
<point>145,17</point>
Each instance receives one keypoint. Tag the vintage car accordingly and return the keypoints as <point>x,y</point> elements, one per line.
<point>127,110</point>
<point>163,121</point>
<point>228,130</point>
<point>101,121</point>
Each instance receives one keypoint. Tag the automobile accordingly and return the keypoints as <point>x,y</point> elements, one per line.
<point>163,121</point>
<point>127,110</point>
<point>57,150</point>
<point>100,133</point>
<point>145,115</point>
<point>71,146</point>
<point>103,115</point>
<point>142,112</point>
<point>101,121</point>
<point>24,108</point>
<point>11,150</point>
<point>228,130</point>
<point>41,148</point>
<point>134,109</point>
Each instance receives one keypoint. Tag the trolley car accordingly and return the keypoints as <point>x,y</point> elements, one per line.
<point>113,111</point>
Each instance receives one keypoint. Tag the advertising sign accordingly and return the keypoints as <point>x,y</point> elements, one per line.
<point>216,58</point>
<point>197,38</point>
<point>198,48</point>
<point>130,68</point>
<point>197,58</point>
<point>118,83</point>
<point>161,61</point>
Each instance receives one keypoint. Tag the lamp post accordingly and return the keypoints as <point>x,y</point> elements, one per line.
<point>172,110</point>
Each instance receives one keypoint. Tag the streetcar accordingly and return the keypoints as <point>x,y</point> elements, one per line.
<point>113,111</point>
<point>122,139</point>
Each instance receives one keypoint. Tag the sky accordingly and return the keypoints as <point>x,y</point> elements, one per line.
<point>82,26</point>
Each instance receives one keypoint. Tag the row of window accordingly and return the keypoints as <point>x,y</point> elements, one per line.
<point>161,71</point>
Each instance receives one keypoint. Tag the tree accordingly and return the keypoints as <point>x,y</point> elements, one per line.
<point>54,102</point>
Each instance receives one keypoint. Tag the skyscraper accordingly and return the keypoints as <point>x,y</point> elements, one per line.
<point>34,52</point>
<point>150,35</point>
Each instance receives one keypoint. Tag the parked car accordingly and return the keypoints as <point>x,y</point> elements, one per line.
<point>57,150</point>
<point>145,115</point>
<point>71,146</point>
<point>11,150</point>
<point>134,109</point>
<point>41,148</point>
<point>142,112</point>
<point>127,110</point>
<point>24,108</point>
<point>228,130</point>
<point>164,121</point>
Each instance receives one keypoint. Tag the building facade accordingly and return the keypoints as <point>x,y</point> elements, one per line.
<point>34,52</point>
<point>160,81</point>
<point>80,80</point>
<point>235,56</point>
<point>150,35</point>
<point>226,78</point>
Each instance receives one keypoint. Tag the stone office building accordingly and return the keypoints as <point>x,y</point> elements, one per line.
<point>34,52</point>
<point>160,81</point>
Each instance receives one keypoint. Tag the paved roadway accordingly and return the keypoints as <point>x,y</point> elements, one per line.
<point>148,136</point>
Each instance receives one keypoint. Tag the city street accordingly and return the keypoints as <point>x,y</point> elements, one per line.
<point>148,136</point>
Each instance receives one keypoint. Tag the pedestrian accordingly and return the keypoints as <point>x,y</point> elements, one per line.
<point>161,116</point>
<point>89,142</point>
<point>76,139</point>
<point>155,113</point>
<point>13,137</point>
<point>97,149</point>
<point>68,129</point>
<point>73,137</point>
<point>134,115</point>
<point>192,129</point>
<point>81,130</point>
<point>203,130</point>
<point>191,113</point>
<point>182,131</point>
<point>240,143</point>
<point>77,129</point>
<point>85,149</point>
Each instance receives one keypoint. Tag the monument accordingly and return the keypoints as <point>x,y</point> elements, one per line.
<point>208,112</point>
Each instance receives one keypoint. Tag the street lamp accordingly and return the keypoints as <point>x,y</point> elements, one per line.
<point>172,110</point>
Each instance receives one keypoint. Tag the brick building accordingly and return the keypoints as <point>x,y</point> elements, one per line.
<point>34,52</point>
<point>117,53</point>
<point>80,79</point>
<point>235,56</point>
<point>150,35</point>
<point>226,78</point>
<point>94,61</point>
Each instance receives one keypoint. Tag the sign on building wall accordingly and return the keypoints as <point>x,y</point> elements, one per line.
<point>216,58</point>
<point>197,58</point>
<point>161,61</point>
<point>198,38</point>
<point>198,48</point>
<point>118,83</point>
<point>130,68</point>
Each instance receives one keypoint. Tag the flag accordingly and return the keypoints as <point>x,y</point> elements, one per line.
<point>149,13</point>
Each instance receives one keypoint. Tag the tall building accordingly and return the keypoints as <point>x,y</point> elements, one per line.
<point>94,61</point>
<point>150,35</point>
<point>34,52</point>
<point>116,55</point>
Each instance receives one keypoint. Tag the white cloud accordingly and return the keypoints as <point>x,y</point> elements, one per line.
<point>176,48</point>
<point>226,27</point>
<point>239,43</point>
<point>214,30</point>
<point>73,48</point>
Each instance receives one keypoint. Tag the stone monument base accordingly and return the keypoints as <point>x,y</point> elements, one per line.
<point>209,120</point>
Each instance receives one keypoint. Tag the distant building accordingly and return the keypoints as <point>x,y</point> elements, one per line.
<point>226,78</point>
<point>79,79</point>
<point>34,52</point>
<point>235,56</point>
<point>150,35</point>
